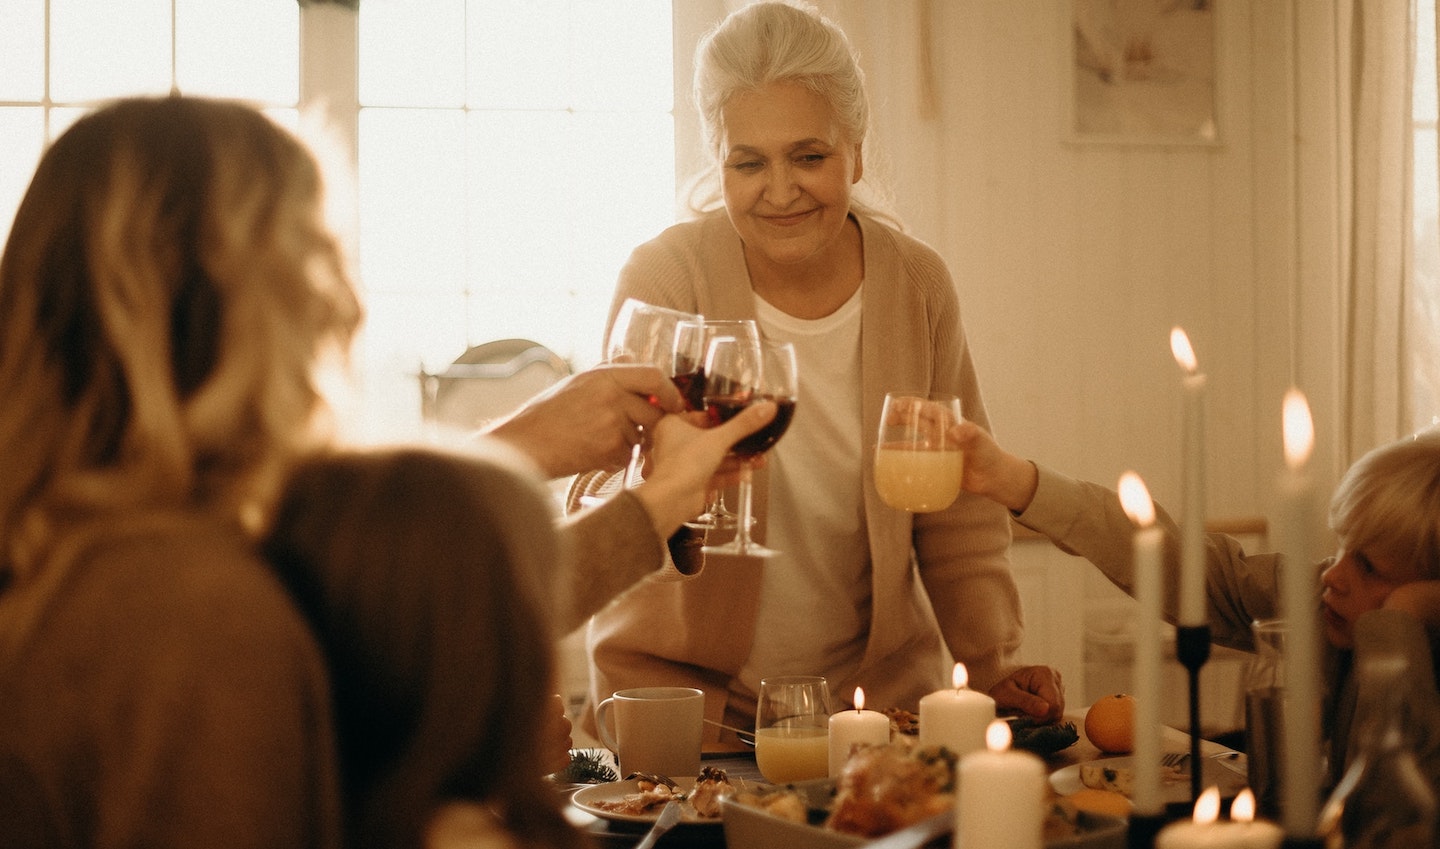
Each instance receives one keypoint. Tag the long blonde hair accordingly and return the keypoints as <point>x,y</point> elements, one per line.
<point>165,293</point>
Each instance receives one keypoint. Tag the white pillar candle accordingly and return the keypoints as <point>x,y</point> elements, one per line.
<point>1192,481</point>
<point>1135,498</point>
<point>1203,831</point>
<point>956,718</point>
<point>858,727</point>
<point>1002,798</point>
<point>1295,523</point>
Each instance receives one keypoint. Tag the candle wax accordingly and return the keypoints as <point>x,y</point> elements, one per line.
<point>1001,802</point>
<point>851,728</point>
<point>956,719</point>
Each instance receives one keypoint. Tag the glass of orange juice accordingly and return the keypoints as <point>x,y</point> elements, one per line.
<point>917,468</point>
<point>792,728</point>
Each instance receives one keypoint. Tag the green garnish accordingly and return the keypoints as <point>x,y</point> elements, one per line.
<point>586,768</point>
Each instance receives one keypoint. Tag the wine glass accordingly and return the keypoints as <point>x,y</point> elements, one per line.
<point>692,339</point>
<point>644,333</point>
<point>740,372</point>
<point>917,467</point>
<point>792,728</point>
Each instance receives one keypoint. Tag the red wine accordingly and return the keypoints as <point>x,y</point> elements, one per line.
<point>724,409</point>
<point>692,388</point>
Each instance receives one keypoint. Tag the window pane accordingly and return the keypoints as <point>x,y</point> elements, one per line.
<point>1425,103</point>
<point>239,48</point>
<point>412,201</point>
<point>23,128</point>
<point>1423,313</point>
<point>625,50</point>
<point>546,242</point>
<point>522,191</point>
<point>520,56</point>
<point>412,52</point>
<point>22,50</point>
<point>108,48</point>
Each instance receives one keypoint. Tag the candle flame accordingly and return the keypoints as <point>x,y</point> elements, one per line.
<point>1298,427</point>
<point>1184,354</point>
<point>1207,807</point>
<point>859,699</point>
<point>1243,808</point>
<point>960,676</point>
<point>997,738</point>
<point>1135,498</point>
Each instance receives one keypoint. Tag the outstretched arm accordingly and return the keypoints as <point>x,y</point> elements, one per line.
<point>590,420</point>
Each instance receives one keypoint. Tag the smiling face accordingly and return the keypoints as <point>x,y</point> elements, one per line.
<point>1357,582</point>
<point>787,173</point>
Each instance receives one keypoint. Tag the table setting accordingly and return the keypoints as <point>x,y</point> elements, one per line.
<point>1104,777</point>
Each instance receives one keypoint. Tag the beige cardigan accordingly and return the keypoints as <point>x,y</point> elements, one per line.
<point>696,630</point>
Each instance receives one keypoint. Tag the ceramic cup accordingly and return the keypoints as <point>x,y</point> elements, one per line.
<point>654,729</point>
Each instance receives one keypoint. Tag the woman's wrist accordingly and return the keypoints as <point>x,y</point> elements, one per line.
<point>1021,480</point>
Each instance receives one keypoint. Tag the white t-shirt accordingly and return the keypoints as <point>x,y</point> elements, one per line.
<point>815,596</point>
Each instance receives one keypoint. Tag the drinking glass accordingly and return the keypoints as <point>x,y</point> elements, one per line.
<point>740,372</point>
<point>692,340</point>
<point>792,728</point>
<point>644,333</point>
<point>917,467</point>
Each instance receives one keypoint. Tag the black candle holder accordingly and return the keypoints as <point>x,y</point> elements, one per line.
<point>1192,649</point>
<point>1142,828</point>
<point>1293,842</point>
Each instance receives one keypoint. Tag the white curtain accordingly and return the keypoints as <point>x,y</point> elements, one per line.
<point>1374,55</point>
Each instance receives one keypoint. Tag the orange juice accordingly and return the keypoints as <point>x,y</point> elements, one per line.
<point>918,480</point>
<point>792,754</point>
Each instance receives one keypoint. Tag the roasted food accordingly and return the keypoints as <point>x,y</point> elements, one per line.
<point>647,797</point>
<point>711,786</point>
<point>885,788</point>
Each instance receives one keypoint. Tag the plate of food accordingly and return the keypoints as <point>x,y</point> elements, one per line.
<point>638,800</point>
<point>884,790</point>
<point>1117,775</point>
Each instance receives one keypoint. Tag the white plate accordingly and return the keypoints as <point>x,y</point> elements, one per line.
<point>1067,780</point>
<point>586,797</point>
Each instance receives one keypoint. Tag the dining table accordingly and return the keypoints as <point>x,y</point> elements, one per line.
<point>738,761</point>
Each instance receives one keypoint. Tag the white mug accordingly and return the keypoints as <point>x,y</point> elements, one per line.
<point>657,729</point>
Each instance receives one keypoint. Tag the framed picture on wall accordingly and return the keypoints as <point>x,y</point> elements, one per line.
<point>1142,72</point>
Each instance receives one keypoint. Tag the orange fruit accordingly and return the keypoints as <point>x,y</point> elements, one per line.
<point>1110,723</point>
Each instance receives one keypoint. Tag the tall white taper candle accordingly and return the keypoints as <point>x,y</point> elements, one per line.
<point>1192,481</point>
<point>1295,525</point>
<point>1147,575</point>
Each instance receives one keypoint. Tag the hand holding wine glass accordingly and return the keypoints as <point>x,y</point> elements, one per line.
<point>918,467</point>
<point>692,340</point>
<point>644,333</point>
<point>740,372</point>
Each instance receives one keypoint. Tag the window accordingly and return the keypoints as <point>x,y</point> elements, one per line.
<point>511,152</point>
<point>1423,311</point>
<point>100,49</point>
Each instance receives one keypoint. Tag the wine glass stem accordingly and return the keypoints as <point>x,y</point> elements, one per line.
<point>632,469</point>
<point>742,530</point>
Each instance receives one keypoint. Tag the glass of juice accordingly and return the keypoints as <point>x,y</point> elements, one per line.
<point>792,728</point>
<point>917,467</point>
